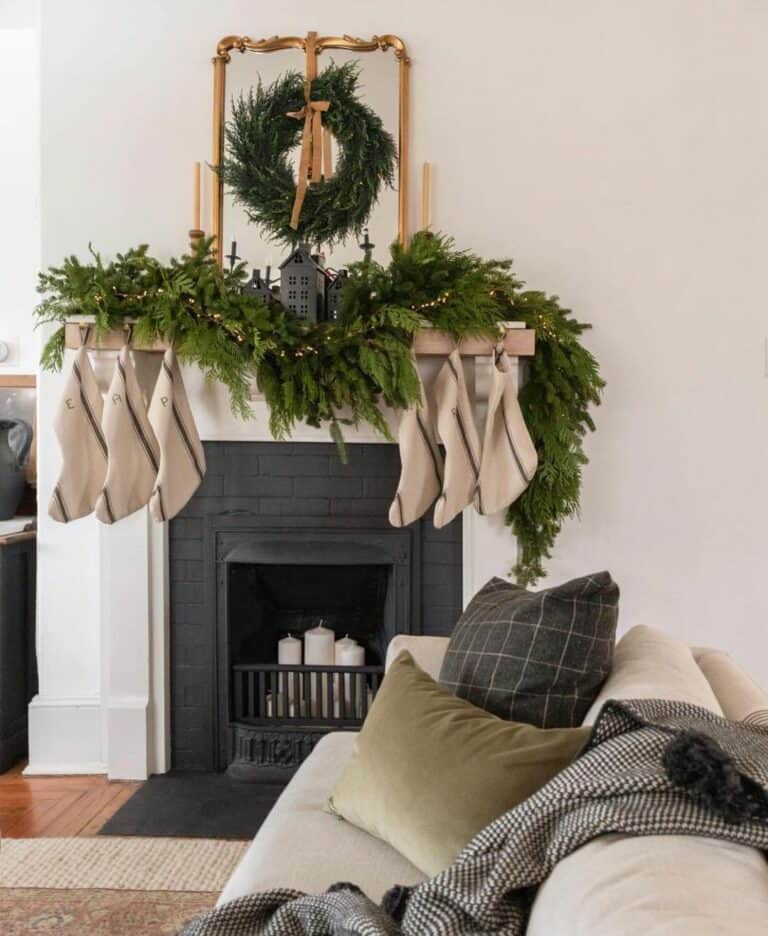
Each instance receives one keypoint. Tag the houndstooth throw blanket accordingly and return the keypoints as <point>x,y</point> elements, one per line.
<point>651,767</point>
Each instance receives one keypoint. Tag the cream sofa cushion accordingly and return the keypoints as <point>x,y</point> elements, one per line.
<point>619,885</point>
<point>301,846</point>
<point>428,652</point>
<point>648,664</point>
<point>739,695</point>
<point>657,885</point>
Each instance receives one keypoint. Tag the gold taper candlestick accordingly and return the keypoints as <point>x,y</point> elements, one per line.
<point>425,196</point>
<point>195,232</point>
<point>196,198</point>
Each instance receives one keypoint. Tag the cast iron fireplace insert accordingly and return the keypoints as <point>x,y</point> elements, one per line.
<point>357,583</point>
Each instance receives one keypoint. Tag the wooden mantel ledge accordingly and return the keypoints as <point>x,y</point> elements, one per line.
<point>518,342</point>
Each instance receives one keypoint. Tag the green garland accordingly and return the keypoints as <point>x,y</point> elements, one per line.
<point>260,136</point>
<point>340,372</point>
<point>563,382</point>
<point>464,295</point>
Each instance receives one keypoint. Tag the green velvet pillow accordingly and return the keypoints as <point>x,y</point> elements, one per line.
<point>430,770</point>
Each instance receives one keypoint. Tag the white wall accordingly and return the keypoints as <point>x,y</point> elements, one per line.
<point>19,183</point>
<point>618,151</point>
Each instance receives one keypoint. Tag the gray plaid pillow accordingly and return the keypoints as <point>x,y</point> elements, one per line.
<point>536,657</point>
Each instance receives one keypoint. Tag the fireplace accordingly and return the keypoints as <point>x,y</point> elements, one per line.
<point>278,538</point>
<point>355,579</point>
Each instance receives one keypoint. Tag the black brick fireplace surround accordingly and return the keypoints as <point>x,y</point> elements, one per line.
<point>293,496</point>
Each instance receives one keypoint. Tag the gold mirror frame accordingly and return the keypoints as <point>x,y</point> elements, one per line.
<point>318,44</point>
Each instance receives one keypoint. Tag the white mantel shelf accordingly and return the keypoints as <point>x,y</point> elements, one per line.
<point>428,342</point>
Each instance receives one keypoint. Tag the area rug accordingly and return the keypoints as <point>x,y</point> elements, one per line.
<point>105,886</point>
<point>161,864</point>
<point>98,912</point>
<point>198,805</point>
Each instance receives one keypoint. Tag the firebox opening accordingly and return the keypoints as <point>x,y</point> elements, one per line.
<point>268,601</point>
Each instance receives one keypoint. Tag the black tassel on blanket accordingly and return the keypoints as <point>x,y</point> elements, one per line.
<point>394,901</point>
<point>698,765</point>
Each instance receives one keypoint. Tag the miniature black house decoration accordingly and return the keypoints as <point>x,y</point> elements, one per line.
<point>333,293</point>
<point>302,285</point>
<point>259,286</point>
<point>308,291</point>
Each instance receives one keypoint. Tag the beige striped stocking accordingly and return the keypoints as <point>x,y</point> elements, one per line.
<point>421,474</point>
<point>134,455</point>
<point>84,452</point>
<point>458,433</point>
<point>509,456</point>
<point>182,459</point>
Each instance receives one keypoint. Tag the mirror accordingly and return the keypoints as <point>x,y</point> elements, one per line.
<point>382,85</point>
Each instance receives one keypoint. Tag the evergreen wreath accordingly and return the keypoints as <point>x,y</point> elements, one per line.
<point>340,372</point>
<point>260,136</point>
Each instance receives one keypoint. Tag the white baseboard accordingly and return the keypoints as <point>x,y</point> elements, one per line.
<point>128,739</point>
<point>65,737</point>
<point>64,770</point>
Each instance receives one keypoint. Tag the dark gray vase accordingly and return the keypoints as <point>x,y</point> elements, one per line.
<point>15,443</point>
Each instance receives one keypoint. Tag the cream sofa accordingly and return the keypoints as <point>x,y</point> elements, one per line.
<point>615,886</point>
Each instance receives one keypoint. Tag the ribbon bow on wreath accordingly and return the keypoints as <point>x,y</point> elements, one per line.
<point>315,161</point>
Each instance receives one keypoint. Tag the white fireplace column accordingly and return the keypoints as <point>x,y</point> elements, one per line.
<point>134,647</point>
<point>488,547</point>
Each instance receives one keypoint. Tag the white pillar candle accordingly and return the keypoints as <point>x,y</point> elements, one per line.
<point>289,651</point>
<point>278,709</point>
<point>319,651</point>
<point>352,656</point>
<point>319,646</point>
<point>290,713</point>
<point>288,654</point>
<point>340,645</point>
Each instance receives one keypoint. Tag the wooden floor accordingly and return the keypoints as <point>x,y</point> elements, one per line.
<point>36,807</point>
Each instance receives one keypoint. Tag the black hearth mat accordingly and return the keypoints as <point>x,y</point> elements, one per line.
<point>195,805</point>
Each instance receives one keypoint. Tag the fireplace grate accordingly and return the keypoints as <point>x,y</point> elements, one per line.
<point>271,694</point>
